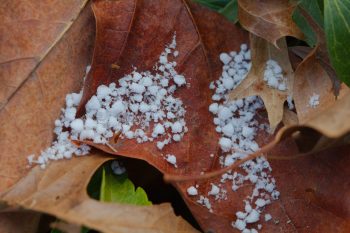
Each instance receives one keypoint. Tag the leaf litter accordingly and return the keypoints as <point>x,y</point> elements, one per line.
<point>212,187</point>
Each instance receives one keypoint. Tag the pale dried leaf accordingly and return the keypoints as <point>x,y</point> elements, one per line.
<point>28,118</point>
<point>289,117</point>
<point>269,19</point>
<point>29,31</point>
<point>60,190</point>
<point>254,83</point>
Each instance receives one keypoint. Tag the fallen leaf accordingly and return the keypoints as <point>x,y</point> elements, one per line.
<point>269,19</point>
<point>30,30</point>
<point>60,190</point>
<point>311,78</point>
<point>30,114</point>
<point>28,117</point>
<point>254,83</point>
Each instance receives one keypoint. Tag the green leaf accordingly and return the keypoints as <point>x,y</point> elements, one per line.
<point>213,4</point>
<point>230,11</point>
<point>313,8</point>
<point>337,28</point>
<point>120,189</point>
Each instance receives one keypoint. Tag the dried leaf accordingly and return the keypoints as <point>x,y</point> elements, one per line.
<point>30,30</point>
<point>254,83</point>
<point>311,78</point>
<point>60,190</point>
<point>269,19</point>
<point>28,118</point>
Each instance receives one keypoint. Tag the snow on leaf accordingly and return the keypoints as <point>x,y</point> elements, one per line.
<point>254,83</point>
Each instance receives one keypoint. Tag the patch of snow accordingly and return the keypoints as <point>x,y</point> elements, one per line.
<point>314,100</point>
<point>237,127</point>
<point>140,106</point>
<point>273,76</point>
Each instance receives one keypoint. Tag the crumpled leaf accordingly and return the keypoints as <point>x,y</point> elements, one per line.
<point>119,189</point>
<point>269,19</point>
<point>315,75</point>
<point>254,83</point>
<point>311,78</point>
<point>60,190</point>
<point>30,30</point>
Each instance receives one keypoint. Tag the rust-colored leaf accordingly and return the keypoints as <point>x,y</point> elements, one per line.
<point>26,127</point>
<point>269,19</point>
<point>254,83</point>
<point>133,33</point>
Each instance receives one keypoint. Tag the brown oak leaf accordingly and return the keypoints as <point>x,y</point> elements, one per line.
<point>254,84</point>
<point>269,19</point>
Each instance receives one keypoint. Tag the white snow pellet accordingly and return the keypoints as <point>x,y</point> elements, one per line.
<point>77,125</point>
<point>137,88</point>
<point>171,159</point>
<point>213,108</point>
<point>260,202</point>
<point>176,137</point>
<point>228,83</point>
<point>314,100</point>
<point>93,104</point>
<point>225,58</point>
<point>214,190</point>
<point>192,191</point>
<point>268,217</point>
<point>240,224</point>
<point>253,216</point>
<point>224,113</point>
<point>118,107</point>
<point>176,127</point>
<point>225,144</point>
<point>158,130</point>
<point>241,215</point>
<point>102,92</point>
<point>179,80</point>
